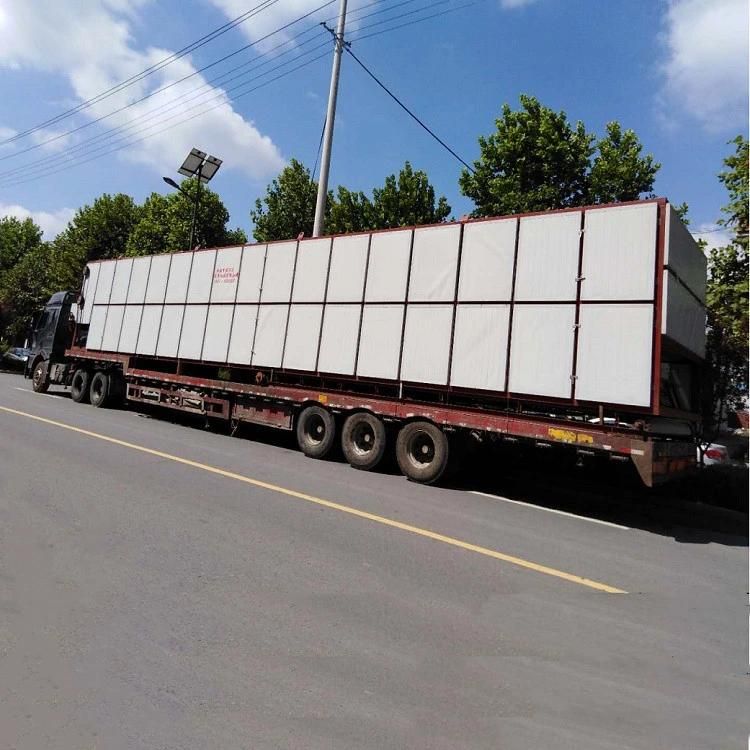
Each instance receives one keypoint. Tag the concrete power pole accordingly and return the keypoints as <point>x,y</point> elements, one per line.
<point>325,160</point>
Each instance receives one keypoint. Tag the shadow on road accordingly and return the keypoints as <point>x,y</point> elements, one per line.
<point>611,492</point>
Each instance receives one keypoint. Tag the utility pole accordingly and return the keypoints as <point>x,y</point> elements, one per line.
<point>325,160</point>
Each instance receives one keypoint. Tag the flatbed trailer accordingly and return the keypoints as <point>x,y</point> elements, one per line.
<point>429,417</point>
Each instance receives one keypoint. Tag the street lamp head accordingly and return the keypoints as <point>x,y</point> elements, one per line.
<point>171,182</point>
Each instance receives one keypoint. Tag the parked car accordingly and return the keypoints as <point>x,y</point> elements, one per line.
<point>16,357</point>
<point>714,454</point>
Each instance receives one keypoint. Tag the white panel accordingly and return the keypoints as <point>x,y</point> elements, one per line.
<point>149,332</point>
<point>193,328</point>
<point>90,292</point>
<point>251,273</point>
<point>548,249</point>
<point>201,276</point>
<point>104,284</point>
<point>269,335</point>
<point>380,341</point>
<point>480,347</point>
<point>683,256</point>
<point>179,275</point>
<point>433,264</point>
<point>303,334</point>
<point>157,279</point>
<point>112,328</point>
<point>312,270</point>
<point>427,339</point>
<point>338,345</point>
<point>130,325</point>
<point>169,331</point>
<point>218,328</point>
<point>121,281</point>
<point>388,268</point>
<point>614,354</point>
<point>243,330</point>
<point>226,274</point>
<point>277,278</point>
<point>619,246</point>
<point>138,281</point>
<point>683,317</point>
<point>487,260</point>
<point>541,350</point>
<point>96,327</point>
<point>348,264</point>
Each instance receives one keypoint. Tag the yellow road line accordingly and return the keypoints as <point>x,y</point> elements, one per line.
<point>518,561</point>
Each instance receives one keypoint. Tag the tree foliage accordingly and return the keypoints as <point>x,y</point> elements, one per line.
<point>165,221</point>
<point>23,274</point>
<point>95,232</point>
<point>288,208</point>
<point>727,295</point>
<point>537,160</point>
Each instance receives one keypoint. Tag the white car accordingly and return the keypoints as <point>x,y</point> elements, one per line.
<point>714,454</point>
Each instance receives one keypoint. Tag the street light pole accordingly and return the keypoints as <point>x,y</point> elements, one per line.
<point>195,208</point>
<point>325,160</point>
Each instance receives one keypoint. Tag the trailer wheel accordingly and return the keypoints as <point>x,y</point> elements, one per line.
<point>40,376</point>
<point>99,389</point>
<point>363,440</point>
<point>422,452</point>
<point>316,431</point>
<point>79,386</point>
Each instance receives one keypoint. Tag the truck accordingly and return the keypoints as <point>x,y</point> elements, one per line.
<point>579,330</point>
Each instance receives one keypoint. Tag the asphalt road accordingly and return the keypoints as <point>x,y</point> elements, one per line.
<point>247,597</point>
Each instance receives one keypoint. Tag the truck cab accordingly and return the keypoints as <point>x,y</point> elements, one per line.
<point>51,334</point>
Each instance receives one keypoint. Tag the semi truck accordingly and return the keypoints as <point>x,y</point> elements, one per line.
<point>580,329</point>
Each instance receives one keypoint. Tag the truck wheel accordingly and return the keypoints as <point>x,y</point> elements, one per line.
<point>422,452</point>
<point>40,376</point>
<point>363,440</point>
<point>79,386</point>
<point>99,389</point>
<point>316,431</point>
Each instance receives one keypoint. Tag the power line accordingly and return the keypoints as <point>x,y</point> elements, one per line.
<point>147,71</point>
<point>221,78</point>
<point>407,110</point>
<point>64,161</point>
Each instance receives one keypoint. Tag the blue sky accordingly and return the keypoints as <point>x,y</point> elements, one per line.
<point>674,71</point>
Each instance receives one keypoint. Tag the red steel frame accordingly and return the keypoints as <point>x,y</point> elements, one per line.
<point>274,404</point>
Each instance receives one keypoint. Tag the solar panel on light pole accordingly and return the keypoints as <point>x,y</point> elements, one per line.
<point>203,166</point>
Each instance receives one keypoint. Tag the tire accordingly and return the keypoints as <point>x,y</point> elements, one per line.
<point>422,452</point>
<point>99,389</point>
<point>316,431</point>
<point>40,376</point>
<point>363,440</point>
<point>79,386</point>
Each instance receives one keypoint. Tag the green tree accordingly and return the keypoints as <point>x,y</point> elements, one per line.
<point>21,247</point>
<point>17,237</point>
<point>25,289</point>
<point>537,160</point>
<point>165,221</point>
<point>727,294</point>
<point>95,232</point>
<point>288,207</point>
<point>404,200</point>
<point>620,172</point>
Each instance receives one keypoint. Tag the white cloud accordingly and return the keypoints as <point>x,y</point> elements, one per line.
<point>706,68</point>
<point>714,235</point>
<point>51,222</point>
<point>94,49</point>
<point>275,16</point>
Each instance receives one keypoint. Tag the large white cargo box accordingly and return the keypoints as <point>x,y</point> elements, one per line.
<point>579,306</point>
